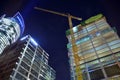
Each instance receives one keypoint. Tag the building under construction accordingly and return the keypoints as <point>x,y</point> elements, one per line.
<point>98,50</point>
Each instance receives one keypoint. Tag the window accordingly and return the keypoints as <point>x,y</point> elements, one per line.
<point>34,73</point>
<point>114,42</point>
<point>116,50</point>
<point>101,47</point>
<point>82,66</point>
<point>104,53</point>
<point>31,47</point>
<point>103,50</point>
<point>32,78</point>
<point>38,59</point>
<point>115,46</point>
<point>90,28</point>
<point>35,67</point>
<point>30,51</point>
<point>91,58</point>
<point>36,63</point>
<point>83,31</point>
<point>18,76</point>
<point>93,63</point>
<point>107,60</point>
<point>84,39</point>
<point>86,47</point>
<point>88,51</point>
<point>26,60</point>
<point>28,56</point>
<point>42,78</point>
<point>106,30</point>
<point>23,71</point>
<point>25,65</point>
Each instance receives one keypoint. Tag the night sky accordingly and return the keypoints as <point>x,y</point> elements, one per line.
<point>49,29</point>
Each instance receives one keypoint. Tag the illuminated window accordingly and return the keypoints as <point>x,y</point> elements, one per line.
<point>115,46</point>
<point>91,28</point>
<point>103,50</point>
<point>104,53</point>
<point>75,29</point>
<point>101,47</point>
<point>113,42</point>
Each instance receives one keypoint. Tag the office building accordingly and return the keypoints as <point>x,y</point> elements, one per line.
<point>98,50</point>
<point>25,60</point>
<point>11,29</point>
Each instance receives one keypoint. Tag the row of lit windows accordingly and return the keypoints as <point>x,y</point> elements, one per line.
<point>96,42</point>
<point>91,29</point>
<point>96,64</point>
<point>115,48</point>
<point>105,60</point>
<point>102,49</point>
<point>90,49</point>
<point>102,52</point>
<point>106,34</point>
<point>108,44</point>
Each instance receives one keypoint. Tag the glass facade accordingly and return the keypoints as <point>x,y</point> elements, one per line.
<point>10,30</point>
<point>32,63</point>
<point>99,51</point>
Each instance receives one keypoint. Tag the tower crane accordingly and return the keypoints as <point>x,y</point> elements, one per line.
<point>74,46</point>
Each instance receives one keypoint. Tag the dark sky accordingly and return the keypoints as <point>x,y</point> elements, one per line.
<point>49,30</point>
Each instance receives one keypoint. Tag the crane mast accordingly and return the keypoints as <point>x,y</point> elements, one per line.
<point>73,41</point>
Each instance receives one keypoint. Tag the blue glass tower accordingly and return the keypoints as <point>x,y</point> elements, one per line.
<point>11,29</point>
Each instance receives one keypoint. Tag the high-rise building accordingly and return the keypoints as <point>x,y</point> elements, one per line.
<point>10,30</point>
<point>25,60</point>
<point>98,50</point>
